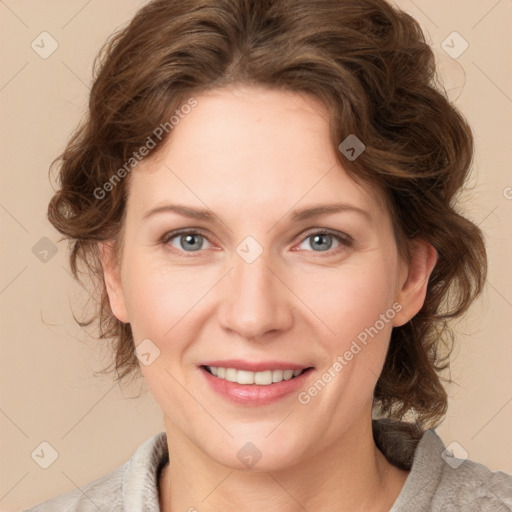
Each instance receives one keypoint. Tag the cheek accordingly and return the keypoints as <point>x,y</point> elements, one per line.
<point>354,304</point>
<point>160,303</point>
<point>350,298</point>
<point>157,297</point>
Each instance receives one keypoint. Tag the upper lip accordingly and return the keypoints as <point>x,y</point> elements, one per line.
<point>251,366</point>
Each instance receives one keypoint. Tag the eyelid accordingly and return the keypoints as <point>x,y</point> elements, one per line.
<point>185,231</point>
<point>344,239</point>
<point>168,236</point>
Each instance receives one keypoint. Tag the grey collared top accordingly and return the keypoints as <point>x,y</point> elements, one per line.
<point>437,482</point>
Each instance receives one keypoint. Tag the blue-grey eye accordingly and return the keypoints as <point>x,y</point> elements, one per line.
<point>321,242</point>
<point>189,242</point>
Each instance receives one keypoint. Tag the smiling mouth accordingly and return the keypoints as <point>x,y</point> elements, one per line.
<point>264,378</point>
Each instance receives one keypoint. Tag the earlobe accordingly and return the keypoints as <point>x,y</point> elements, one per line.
<point>413,290</point>
<point>112,278</point>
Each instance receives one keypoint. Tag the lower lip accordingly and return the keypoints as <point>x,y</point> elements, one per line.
<point>254,394</point>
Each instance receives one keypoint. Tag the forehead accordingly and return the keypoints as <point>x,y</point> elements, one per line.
<point>250,151</point>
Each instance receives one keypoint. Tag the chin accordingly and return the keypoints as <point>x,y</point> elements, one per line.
<point>254,453</point>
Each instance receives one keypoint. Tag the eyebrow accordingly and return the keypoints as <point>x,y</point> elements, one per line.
<point>297,215</point>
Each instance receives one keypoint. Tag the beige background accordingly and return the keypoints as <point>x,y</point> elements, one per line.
<point>48,391</point>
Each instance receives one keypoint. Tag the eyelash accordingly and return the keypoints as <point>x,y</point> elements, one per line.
<point>345,240</point>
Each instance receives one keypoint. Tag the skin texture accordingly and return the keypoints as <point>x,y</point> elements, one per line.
<point>253,156</point>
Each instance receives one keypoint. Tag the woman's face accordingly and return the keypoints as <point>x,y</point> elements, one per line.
<point>254,286</point>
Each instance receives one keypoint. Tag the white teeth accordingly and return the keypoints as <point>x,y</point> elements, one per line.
<point>264,378</point>
<point>287,374</point>
<point>243,377</point>
<point>231,374</point>
<point>277,375</point>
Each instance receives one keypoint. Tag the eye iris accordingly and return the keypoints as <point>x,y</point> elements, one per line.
<point>323,237</point>
<point>322,241</point>
<point>190,238</point>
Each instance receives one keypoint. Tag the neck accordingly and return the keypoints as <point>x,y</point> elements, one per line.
<point>350,475</point>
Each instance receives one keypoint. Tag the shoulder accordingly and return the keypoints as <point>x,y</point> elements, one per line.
<point>470,486</point>
<point>133,484</point>
<point>96,495</point>
<point>438,481</point>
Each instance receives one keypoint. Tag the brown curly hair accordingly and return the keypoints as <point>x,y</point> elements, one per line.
<point>364,59</point>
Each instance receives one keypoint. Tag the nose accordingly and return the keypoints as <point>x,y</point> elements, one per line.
<point>256,300</point>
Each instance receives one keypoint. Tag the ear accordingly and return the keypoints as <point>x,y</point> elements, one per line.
<point>414,281</point>
<point>112,277</point>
